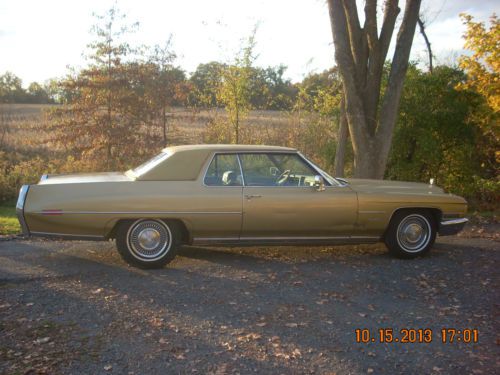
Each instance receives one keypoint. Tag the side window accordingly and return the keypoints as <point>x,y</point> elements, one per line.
<point>224,170</point>
<point>259,170</point>
<point>276,169</point>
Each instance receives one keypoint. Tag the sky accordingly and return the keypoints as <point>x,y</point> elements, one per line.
<point>41,39</point>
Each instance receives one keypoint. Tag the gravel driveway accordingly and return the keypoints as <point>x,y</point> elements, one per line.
<point>76,307</point>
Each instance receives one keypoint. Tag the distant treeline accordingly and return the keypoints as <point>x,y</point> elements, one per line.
<point>268,87</point>
<point>12,91</point>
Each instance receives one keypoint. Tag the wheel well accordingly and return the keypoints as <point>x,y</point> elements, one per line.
<point>178,223</point>
<point>435,212</point>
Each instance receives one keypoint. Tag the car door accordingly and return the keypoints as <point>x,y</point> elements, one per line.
<point>280,200</point>
<point>220,199</point>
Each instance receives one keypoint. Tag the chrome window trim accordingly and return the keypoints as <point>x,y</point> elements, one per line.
<point>289,152</point>
<point>241,170</point>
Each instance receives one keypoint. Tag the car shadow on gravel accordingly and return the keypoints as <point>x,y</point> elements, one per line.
<point>224,310</point>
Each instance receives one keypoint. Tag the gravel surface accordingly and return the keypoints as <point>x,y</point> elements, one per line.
<point>77,308</point>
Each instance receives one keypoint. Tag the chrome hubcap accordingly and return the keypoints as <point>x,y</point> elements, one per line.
<point>414,233</point>
<point>149,239</point>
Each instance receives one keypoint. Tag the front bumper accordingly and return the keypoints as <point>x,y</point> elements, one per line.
<point>20,209</point>
<point>452,226</point>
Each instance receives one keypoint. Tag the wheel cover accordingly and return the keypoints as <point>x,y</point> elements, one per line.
<point>149,240</point>
<point>414,233</point>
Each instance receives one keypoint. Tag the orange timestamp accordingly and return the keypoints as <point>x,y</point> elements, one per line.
<point>416,335</point>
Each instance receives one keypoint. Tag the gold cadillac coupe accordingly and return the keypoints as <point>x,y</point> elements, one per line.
<point>235,195</point>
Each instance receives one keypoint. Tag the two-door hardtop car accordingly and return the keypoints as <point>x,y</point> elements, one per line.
<point>235,195</point>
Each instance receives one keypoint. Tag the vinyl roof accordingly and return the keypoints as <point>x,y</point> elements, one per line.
<point>184,163</point>
<point>228,147</point>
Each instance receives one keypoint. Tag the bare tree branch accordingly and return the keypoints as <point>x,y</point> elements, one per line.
<point>421,25</point>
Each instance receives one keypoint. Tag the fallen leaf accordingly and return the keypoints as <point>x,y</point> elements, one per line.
<point>42,340</point>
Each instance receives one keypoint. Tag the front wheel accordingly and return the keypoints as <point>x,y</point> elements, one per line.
<point>410,234</point>
<point>147,243</point>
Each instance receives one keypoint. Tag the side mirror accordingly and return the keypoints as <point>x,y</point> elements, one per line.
<point>319,183</point>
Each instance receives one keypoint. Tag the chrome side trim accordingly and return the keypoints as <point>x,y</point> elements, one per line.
<point>299,238</point>
<point>144,212</point>
<point>451,227</point>
<point>66,236</point>
<point>276,241</point>
<point>21,200</point>
<point>372,212</point>
<point>286,238</point>
<point>455,221</point>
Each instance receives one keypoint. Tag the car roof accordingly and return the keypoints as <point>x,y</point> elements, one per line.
<point>227,147</point>
<point>185,162</point>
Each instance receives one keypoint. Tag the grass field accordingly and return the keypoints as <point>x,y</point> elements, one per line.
<point>8,220</point>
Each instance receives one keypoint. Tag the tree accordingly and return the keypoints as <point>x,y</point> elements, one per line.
<point>97,124</point>
<point>206,81</point>
<point>11,89</point>
<point>435,136</point>
<point>483,76</point>
<point>360,53</point>
<point>37,94</point>
<point>483,66</point>
<point>167,84</point>
<point>234,91</point>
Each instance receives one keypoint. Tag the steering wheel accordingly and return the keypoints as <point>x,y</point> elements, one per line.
<point>283,177</point>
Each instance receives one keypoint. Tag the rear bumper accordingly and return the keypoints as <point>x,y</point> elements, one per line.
<point>20,209</point>
<point>452,226</point>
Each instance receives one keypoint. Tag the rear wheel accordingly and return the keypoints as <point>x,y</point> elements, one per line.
<point>410,233</point>
<point>148,243</point>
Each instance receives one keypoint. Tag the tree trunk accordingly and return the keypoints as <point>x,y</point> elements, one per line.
<point>341,141</point>
<point>164,120</point>
<point>237,126</point>
<point>360,53</point>
<point>421,25</point>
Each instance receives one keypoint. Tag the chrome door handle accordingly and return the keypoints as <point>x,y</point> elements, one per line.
<point>252,196</point>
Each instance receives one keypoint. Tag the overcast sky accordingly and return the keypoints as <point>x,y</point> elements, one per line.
<point>39,39</point>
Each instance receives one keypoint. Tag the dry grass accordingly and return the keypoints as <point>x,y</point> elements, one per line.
<point>23,130</point>
<point>22,125</point>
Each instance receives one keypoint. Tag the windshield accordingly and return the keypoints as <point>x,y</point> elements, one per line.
<point>150,164</point>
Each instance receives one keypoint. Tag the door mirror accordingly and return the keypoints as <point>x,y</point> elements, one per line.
<point>319,183</point>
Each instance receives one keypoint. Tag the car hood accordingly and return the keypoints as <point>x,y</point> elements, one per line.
<point>83,178</point>
<point>366,185</point>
